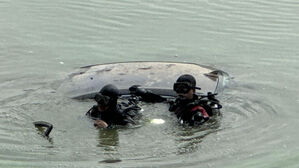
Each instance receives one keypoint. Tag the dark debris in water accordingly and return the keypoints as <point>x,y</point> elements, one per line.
<point>110,161</point>
<point>145,68</point>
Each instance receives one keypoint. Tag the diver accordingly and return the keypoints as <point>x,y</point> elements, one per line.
<point>109,112</point>
<point>189,108</point>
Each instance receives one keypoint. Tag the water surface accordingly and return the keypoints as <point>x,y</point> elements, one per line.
<point>41,42</point>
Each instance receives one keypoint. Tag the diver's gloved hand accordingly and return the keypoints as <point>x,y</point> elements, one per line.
<point>133,88</point>
<point>146,95</point>
<point>211,96</point>
<point>137,91</point>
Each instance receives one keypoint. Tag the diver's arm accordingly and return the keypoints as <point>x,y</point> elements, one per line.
<point>146,95</point>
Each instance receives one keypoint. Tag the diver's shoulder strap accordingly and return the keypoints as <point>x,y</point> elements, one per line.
<point>93,113</point>
<point>90,111</point>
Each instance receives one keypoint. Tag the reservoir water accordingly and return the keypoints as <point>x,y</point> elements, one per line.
<point>255,41</point>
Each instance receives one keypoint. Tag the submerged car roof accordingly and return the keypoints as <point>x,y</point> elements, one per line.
<point>155,76</point>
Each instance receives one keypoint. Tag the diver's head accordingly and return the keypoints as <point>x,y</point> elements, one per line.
<point>185,86</point>
<point>103,101</point>
<point>110,91</point>
<point>107,96</point>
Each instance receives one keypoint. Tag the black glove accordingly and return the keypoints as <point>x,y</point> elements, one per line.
<point>137,91</point>
<point>133,88</point>
<point>146,95</point>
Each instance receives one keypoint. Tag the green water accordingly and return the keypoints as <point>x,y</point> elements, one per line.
<point>256,42</point>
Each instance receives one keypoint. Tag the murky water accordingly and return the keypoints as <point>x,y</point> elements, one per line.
<point>41,42</point>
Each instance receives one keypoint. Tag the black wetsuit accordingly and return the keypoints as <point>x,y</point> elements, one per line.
<point>189,111</point>
<point>119,114</point>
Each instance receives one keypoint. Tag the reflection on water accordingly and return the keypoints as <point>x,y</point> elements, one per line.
<point>108,139</point>
<point>189,138</point>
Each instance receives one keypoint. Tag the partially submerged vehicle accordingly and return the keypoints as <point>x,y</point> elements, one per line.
<point>157,77</point>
